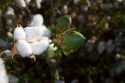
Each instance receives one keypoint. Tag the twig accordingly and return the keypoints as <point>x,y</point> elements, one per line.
<point>53,10</point>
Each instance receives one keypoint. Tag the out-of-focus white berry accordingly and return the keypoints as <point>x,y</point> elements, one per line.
<point>33,34</point>
<point>110,46</point>
<point>37,20</point>
<point>101,47</point>
<point>21,3</point>
<point>41,46</point>
<point>19,33</point>
<point>3,43</point>
<point>24,48</point>
<point>9,23</point>
<point>38,3</point>
<point>46,31</point>
<point>3,73</point>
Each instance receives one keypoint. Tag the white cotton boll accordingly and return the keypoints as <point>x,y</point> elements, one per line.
<point>33,34</point>
<point>13,79</point>
<point>39,47</point>
<point>120,68</point>
<point>19,33</point>
<point>118,39</point>
<point>119,56</point>
<point>7,53</point>
<point>119,1</point>
<point>21,3</point>
<point>38,3</point>
<point>3,73</point>
<point>10,12</point>
<point>28,1</point>
<point>110,46</point>
<point>23,48</point>
<point>9,22</point>
<point>46,31</point>
<point>37,20</point>
<point>101,47</point>
<point>89,45</point>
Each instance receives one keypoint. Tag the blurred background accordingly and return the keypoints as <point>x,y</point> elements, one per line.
<point>100,60</point>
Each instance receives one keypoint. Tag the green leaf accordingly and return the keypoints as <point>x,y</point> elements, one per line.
<point>64,21</point>
<point>72,42</point>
